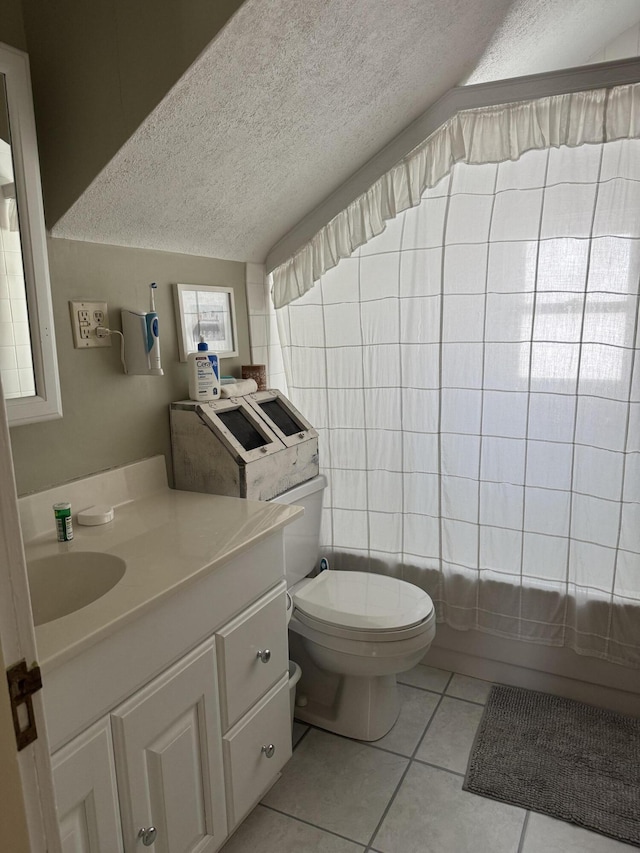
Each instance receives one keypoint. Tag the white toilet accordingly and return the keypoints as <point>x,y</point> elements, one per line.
<point>351,632</point>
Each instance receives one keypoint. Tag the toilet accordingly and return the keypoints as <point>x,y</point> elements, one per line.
<point>350,632</point>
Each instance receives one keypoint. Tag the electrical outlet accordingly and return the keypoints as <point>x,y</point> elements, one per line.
<point>85,319</point>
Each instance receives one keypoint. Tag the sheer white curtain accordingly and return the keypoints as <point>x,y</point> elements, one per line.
<point>473,376</point>
<point>485,135</point>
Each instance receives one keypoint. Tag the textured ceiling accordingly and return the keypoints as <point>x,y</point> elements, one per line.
<point>545,35</point>
<point>292,97</point>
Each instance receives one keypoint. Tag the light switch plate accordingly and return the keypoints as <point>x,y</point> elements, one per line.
<point>85,319</point>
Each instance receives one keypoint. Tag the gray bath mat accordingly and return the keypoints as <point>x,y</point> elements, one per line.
<point>563,758</point>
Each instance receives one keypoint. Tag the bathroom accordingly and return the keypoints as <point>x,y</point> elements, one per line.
<point>110,420</point>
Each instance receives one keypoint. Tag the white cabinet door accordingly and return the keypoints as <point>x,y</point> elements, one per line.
<point>86,796</point>
<point>169,759</point>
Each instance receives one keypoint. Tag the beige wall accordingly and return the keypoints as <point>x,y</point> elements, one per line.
<point>94,81</point>
<point>12,24</point>
<point>11,33</point>
<point>109,418</point>
<point>98,68</point>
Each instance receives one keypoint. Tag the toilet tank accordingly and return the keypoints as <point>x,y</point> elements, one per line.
<point>301,539</point>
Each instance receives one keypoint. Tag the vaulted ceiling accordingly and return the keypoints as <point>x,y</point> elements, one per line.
<point>293,97</point>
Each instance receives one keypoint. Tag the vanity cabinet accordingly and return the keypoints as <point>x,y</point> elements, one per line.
<point>191,751</point>
<point>87,799</point>
<point>168,756</point>
<point>164,747</point>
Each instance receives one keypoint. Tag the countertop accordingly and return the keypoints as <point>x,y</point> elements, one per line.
<point>168,539</point>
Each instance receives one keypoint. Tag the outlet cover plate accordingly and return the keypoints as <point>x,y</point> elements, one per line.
<point>85,319</point>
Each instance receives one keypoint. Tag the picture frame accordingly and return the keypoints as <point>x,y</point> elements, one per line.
<point>208,310</point>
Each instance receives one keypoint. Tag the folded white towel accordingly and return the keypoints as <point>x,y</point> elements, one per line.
<point>239,389</point>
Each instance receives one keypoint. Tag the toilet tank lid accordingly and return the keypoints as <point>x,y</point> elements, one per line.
<point>302,490</point>
<point>363,600</point>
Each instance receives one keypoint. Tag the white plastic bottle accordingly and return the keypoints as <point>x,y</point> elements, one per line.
<point>204,374</point>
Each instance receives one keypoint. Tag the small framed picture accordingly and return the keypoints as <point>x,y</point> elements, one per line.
<point>207,311</point>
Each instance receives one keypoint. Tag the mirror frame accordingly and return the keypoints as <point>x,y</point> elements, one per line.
<point>47,402</point>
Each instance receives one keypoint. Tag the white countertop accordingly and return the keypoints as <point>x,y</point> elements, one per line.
<point>168,539</point>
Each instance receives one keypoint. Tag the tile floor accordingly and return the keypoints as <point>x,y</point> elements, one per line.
<point>403,793</point>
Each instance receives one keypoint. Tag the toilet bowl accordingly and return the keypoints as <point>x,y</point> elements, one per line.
<point>350,632</point>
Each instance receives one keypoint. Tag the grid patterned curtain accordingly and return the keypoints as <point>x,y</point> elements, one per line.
<point>472,373</point>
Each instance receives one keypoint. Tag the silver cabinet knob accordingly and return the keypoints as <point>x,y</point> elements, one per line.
<point>264,655</point>
<point>148,835</point>
<point>300,435</point>
<point>269,751</point>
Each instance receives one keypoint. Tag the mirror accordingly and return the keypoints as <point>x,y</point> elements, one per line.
<point>28,364</point>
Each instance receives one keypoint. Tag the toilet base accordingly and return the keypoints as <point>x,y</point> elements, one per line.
<point>366,708</point>
<point>363,708</point>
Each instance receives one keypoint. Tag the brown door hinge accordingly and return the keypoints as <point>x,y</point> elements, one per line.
<point>23,683</point>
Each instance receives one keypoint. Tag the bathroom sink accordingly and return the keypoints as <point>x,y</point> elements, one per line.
<point>63,583</point>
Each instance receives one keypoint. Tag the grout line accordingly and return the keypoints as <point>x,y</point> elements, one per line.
<point>390,803</point>
<point>384,749</point>
<point>438,767</point>
<point>413,759</point>
<point>427,727</point>
<point>424,689</point>
<point>369,848</point>
<point>406,770</point>
<point>406,756</point>
<point>462,699</point>
<point>314,825</point>
<point>429,689</point>
<point>523,833</point>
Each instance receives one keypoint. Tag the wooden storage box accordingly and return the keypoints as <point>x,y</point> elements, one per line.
<point>232,447</point>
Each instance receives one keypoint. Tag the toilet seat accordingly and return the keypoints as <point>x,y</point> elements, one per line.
<point>357,604</point>
<point>334,635</point>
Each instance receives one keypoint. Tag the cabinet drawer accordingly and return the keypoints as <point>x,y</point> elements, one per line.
<point>249,770</point>
<point>244,676</point>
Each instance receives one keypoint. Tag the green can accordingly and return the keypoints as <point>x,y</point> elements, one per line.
<point>64,525</point>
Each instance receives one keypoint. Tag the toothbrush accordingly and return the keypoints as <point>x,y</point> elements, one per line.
<point>153,335</point>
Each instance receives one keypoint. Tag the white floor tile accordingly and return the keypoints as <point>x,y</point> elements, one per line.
<point>471,689</point>
<point>547,835</point>
<point>432,814</point>
<point>427,677</point>
<point>337,784</point>
<point>416,709</point>
<point>267,831</point>
<point>341,786</point>
<point>449,738</point>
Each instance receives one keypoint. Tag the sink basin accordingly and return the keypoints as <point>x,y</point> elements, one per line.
<point>63,583</point>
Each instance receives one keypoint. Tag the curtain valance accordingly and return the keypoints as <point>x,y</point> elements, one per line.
<point>487,135</point>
